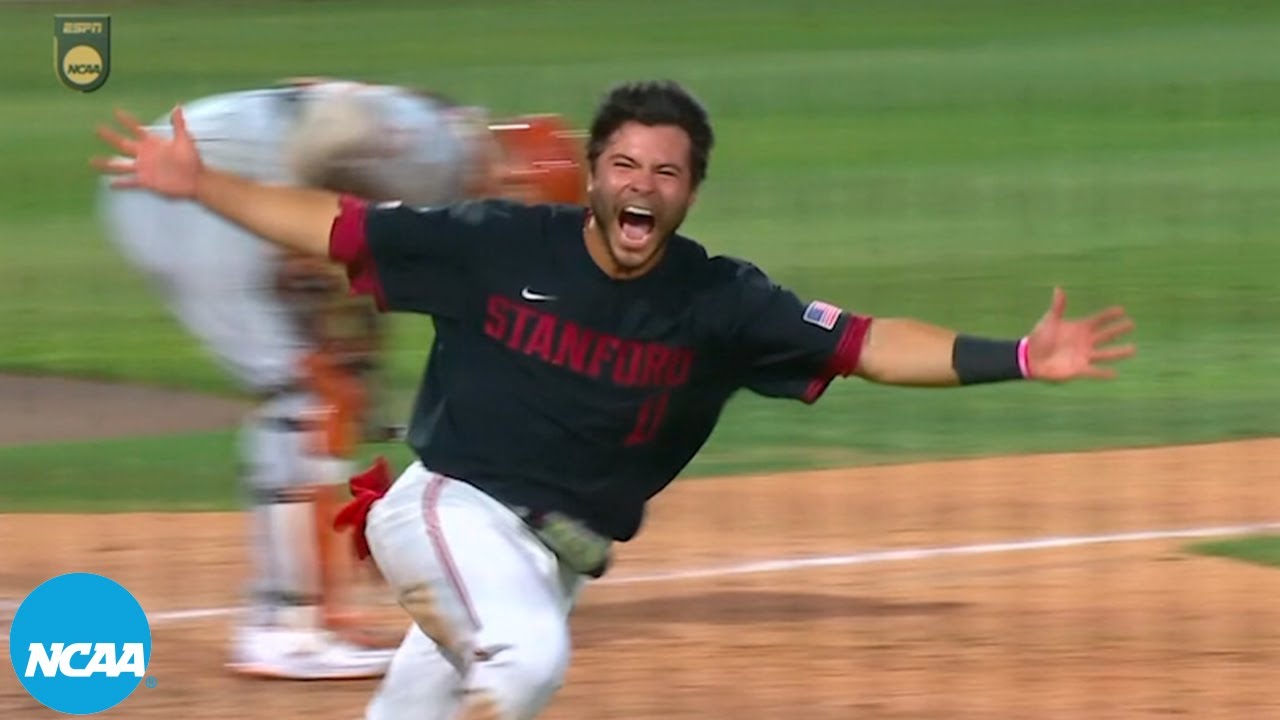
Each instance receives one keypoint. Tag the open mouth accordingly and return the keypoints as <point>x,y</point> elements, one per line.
<point>636,223</point>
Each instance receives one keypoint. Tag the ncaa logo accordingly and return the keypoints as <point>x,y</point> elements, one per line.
<point>80,643</point>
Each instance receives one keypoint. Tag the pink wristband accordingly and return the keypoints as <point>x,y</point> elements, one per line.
<point>1024,363</point>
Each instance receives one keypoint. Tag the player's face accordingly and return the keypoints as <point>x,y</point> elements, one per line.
<point>641,189</point>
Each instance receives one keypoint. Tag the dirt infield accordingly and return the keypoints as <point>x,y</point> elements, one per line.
<point>781,596</point>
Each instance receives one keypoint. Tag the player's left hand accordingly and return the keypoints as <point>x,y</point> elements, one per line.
<point>1061,349</point>
<point>168,166</point>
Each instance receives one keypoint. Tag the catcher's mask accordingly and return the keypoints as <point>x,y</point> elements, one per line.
<point>543,157</point>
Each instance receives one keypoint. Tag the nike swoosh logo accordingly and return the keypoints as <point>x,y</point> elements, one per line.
<point>528,294</point>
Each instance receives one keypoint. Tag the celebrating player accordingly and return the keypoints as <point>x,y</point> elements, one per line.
<point>582,357</point>
<point>284,325</point>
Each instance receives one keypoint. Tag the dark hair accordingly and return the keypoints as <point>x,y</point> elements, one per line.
<point>656,102</point>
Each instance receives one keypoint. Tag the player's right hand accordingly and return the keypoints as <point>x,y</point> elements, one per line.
<point>168,166</point>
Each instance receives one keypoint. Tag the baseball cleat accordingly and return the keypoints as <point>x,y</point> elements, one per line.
<point>288,654</point>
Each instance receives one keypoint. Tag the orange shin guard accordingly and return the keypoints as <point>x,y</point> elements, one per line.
<point>354,601</point>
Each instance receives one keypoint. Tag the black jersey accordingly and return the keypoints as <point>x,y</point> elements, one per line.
<point>551,385</point>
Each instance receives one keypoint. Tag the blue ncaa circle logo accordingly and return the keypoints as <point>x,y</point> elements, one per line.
<point>80,643</point>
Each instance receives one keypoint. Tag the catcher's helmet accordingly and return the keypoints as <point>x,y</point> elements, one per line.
<point>544,156</point>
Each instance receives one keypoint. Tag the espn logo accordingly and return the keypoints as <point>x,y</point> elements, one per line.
<point>103,659</point>
<point>81,27</point>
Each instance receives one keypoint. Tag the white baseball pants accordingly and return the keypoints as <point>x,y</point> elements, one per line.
<point>490,604</point>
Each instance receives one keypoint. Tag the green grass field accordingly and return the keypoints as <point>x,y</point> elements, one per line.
<point>950,161</point>
<point>1257,549</point>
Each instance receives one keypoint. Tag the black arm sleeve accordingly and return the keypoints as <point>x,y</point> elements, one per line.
<point>428,259</point>
<point>785,346</point>
<point>423,260</point>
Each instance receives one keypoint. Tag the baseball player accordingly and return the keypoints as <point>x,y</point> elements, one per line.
<point>583,355</point>
<point>285,327</point>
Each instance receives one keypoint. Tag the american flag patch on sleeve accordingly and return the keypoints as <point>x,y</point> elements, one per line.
<point>824,315</point>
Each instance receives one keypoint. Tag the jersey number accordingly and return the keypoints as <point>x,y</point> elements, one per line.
<point>652,414</point>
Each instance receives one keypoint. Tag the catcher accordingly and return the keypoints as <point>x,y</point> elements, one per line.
<point>289,332</point>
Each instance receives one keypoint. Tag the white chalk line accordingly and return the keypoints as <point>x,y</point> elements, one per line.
<point>929,553</point>
<point>827,561</point>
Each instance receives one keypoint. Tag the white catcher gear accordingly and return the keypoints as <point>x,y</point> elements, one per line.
<point>222,284</point>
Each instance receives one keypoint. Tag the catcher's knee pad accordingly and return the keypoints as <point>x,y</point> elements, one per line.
<point>284,525</point>
<point>308,575</point>
<point>288,546</point>
<point>304,573</point>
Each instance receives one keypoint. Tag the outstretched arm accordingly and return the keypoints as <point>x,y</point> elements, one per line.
<point>296,218</point>
<point>788,348</point>
<point>903,351</point>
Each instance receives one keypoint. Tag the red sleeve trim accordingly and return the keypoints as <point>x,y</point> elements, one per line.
<point>844,361</point>
<point>349,245</point>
